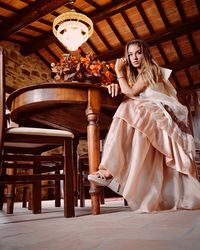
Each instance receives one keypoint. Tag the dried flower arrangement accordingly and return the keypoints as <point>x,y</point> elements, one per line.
<point>72,68</point>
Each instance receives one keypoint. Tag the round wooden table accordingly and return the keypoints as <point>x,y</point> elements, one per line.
<point>85,109</point>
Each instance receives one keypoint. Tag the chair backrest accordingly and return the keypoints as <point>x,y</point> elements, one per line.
<point>2,100</point>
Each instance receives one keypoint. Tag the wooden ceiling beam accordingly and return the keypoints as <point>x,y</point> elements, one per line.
<point>184,63</point>
<point>13,40</point>
<point>155,39</point>
<point>177,48</point>
<point>115,31</point>
<point>192,44</point>
<point>27,1</point>
<point>162,53</point>
<point>180,56</point>
<point>46,22</point>
<point>145,19</point>
<point>46,39</point>
<point>95,5</point>
<point>8,7</point>
<point>128,22</point>
<point>61,47</point>
<point>162,13</point>
<point>158,38</point>
<point>33,28</point>
<point>25,35</point>
<point>180,10</point>
<point>102,37</point>
<point>93,47</point>
<point>52,54</point>
<point>176,31</point>
<point>28,15</point>
<point>43,59</point>
<point>39,8</point>
<point>112,9</point>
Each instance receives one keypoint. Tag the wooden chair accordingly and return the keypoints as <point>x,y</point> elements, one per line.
<point>52,188</point>
<point>22,148</point>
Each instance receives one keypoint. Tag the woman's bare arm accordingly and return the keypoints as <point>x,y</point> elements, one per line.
<point>135,90</point>
<point>129,91</point>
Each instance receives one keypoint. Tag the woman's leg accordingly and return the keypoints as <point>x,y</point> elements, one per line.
<point>115,151</point>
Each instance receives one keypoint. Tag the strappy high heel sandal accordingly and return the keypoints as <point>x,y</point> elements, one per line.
<point>100,179</point>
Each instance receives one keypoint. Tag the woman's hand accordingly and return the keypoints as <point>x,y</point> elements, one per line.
<point>113,89</point>
<point>120,64</point>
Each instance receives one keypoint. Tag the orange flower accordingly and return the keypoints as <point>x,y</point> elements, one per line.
<point>83,68</point>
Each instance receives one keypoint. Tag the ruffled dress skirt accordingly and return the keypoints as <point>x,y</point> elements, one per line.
<point>150,155</point>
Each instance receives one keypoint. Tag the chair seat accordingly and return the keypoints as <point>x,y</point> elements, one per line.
<point>23,145</point>
<point>39,131</point>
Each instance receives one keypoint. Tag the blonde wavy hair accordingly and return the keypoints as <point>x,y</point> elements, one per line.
<point>150,72</point>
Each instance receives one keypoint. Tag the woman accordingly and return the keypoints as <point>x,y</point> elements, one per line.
<point>149,150</point>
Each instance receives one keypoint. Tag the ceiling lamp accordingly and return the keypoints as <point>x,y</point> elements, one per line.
<point>72,29</point>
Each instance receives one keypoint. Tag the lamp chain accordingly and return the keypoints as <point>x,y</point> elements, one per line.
<point>71,2</point>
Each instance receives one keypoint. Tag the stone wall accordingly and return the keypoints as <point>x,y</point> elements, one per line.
<point>21,70</point>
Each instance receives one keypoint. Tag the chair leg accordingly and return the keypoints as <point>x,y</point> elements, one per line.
<point>75,186</point>
<point>102,196</point>
<point>30,198</point>
<point>25,196</point>
<point>10,195</point>
<point>2,190</point>
<point>81,187</point>
<point>10,198</point>
<point>75,174</point>
<point>68,180</point>
<point>57,191</point>
<point>36,198</point>
<point>36,193</point>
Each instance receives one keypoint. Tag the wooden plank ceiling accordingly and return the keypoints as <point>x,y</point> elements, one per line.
<point>171,28</point>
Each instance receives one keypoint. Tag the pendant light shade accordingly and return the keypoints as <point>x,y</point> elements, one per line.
<point>72,29</point>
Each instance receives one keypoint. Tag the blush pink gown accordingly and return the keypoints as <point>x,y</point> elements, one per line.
<point>149,151</point>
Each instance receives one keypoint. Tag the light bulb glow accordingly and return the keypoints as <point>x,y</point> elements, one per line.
<point>72,34</point>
